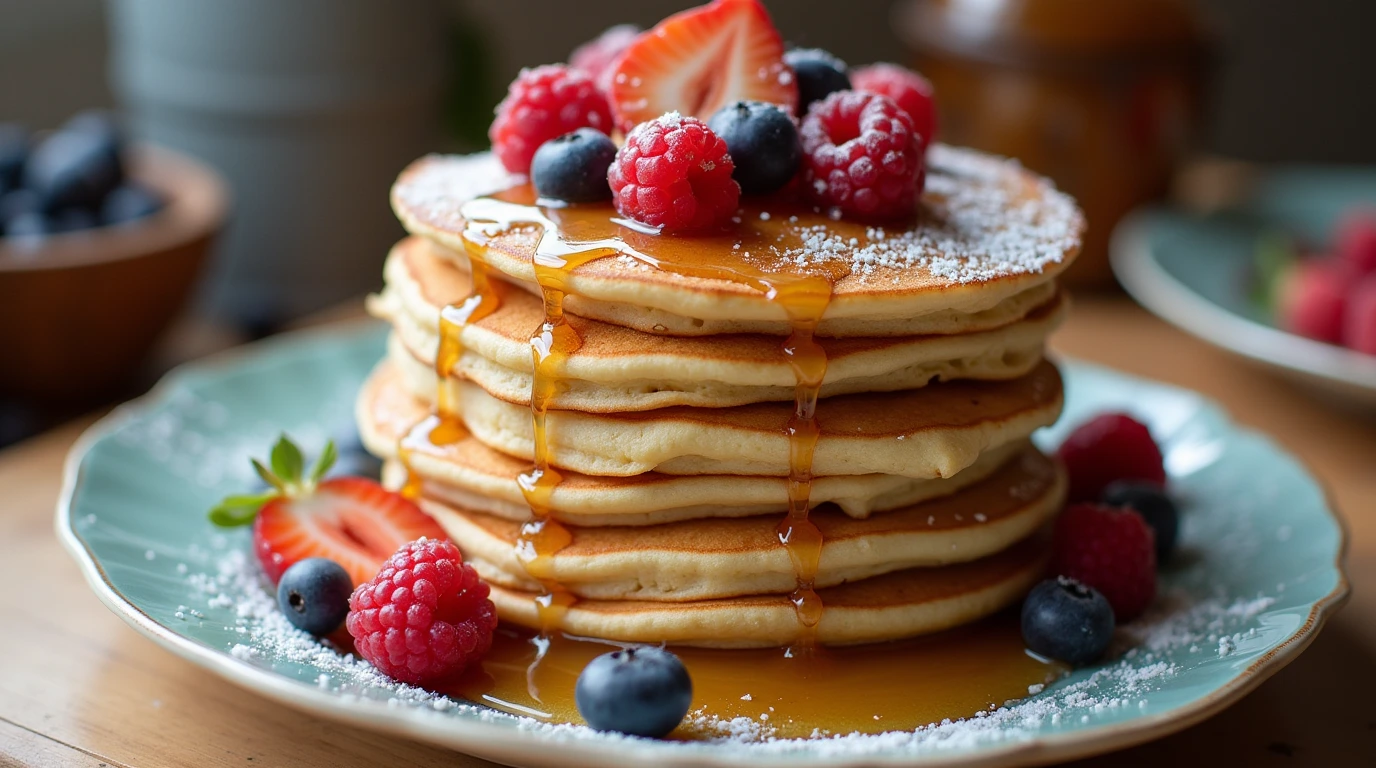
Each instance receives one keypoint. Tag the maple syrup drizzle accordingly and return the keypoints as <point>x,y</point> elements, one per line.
<point>571,237</point>
<point>893,686</point>
<point>444,426</point>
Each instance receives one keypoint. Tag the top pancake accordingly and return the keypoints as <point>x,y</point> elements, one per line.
<point>989,232</point>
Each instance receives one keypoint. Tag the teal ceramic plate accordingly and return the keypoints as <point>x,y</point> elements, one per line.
<point>1259,570</point>
<point>1195,272</point>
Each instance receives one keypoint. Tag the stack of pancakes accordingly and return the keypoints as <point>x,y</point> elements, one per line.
<point>670,423</point>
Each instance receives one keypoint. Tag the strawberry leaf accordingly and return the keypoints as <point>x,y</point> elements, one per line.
<point>323,463</point>
<point>287,462</point>
<point>235,511</point>
<point>1272,258</point>
<point>268,476</point>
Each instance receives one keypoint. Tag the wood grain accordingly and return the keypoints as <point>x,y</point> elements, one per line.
<point>78,687</point>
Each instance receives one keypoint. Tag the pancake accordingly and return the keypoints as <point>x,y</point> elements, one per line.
<point>895,605</point>
<point>989,240</point>
<point>618,369</point>
<point>708,559</point>
<point>470,475</point>
<point>935,431</point>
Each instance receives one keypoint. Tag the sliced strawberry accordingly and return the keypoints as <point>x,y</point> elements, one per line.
<point>350,520</point>
<point>697,61</point>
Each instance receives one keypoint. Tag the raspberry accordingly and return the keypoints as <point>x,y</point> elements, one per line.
<point>909,90</point>
<point>543,103</point>
<point>425,616</point>
<point>1110,447</point>
<point>1356,240</point>
<point>862,156</point>
<point>1312,299</point>
<point>1359,328</point>
<point>1111,550</point>
<point>673,172</point>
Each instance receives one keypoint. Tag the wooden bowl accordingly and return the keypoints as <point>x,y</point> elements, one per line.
<point>80,311</point>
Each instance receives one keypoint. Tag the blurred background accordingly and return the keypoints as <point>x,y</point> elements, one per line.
<point>259,138</point>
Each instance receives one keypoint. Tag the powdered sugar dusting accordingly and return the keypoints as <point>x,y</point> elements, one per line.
<point>984,217</point>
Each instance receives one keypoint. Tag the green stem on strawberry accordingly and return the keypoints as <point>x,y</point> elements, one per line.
<point>284,477</point>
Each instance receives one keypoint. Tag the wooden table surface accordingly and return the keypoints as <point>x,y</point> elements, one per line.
<point>80,688</point>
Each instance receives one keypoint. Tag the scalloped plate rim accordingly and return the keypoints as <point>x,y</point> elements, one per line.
<point>503,743</point>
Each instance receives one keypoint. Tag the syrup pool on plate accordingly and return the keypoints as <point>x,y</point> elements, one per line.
<point>895,686</point>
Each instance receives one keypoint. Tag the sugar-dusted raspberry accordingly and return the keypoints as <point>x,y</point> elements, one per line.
<point>909,90</point>
<point>425,616</point>
<point>1110,549</point>
<point>543,103</point>
<point>862,156</point>
<point>1107,448</point>
<point>673,172</point>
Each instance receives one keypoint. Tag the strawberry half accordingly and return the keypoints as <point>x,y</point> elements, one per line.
<point>698,61</point>
<point>351,520</point>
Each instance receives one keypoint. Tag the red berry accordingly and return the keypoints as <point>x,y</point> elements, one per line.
<point>350,520</point>
<point>597,57</point>
<point>698,61</point>
<point>1359,326</point>
<point>541,104</point>
<point>1356,240</point>
<point>425,616</point>
<point>1110,549</point>
<point>1108,448</point>
<point>862,156</point>
<point>909,90</point>
<point>673,172</point>
<point>1312,299</point>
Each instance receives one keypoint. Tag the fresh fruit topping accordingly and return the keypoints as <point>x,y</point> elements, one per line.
<point>1110,549</point>
<point>1109,447</point>
<point>909,90</point>
<point>128,203</point>
<point>697,61</point>
<point>573,167</point>
<point>763,142</point>
<point>1312,298</point>
<point>1154,505</point>
<point>1356,240</point>
<point>638,691</point>
<point>543,103</point>
<point>674,173</point>
<point>353,521</point>
<point>29,224</point>
<point>1359,326</point>
<point>862,156</point>
<point>1066,620</point>
<point>426,616</point>
<point>819,75</point>
<point>314,595</point>
<point>597,57</point>
<point>72,168</point>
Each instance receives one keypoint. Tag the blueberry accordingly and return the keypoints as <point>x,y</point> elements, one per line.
<point>639,691</point>
<point>763,142</point>
<point>314,594</point>
<point>16,203</point>
<point>819,74</point>
<point>31,224</point>
<point>97,122</point>
<point>1066,620</point>
<point>74,168</point>
<point>14,147</point>
<point>1154,505</point>
<point>128,203</point>
<point>73,220</point>
<point>573,167</point>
